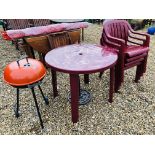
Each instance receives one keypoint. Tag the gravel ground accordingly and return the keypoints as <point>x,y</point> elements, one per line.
<point>132,112</point>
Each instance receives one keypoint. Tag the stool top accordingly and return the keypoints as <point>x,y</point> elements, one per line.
<point>24,72</point>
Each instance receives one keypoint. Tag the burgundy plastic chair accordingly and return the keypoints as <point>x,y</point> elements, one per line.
<point>59,39</point>
<point>132,48</point>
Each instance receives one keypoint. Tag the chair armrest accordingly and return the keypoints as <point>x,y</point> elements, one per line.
<point>104,41</point>
<point>139,33</point>
<point>117,43</point>
<point>116,40</point>
<point>146,41</point>
<point>137,38</point>
<point>114,45</point>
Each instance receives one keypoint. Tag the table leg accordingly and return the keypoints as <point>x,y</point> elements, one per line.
<point>54,83</point>
<point>111,90</point>
<point>117,78</point>
<point>100,75</point>
<point>82,34</point>
<point>74,86</point>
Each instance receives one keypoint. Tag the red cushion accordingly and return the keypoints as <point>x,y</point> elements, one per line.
<point>39,30</point>
<point>15,34</point>
<point>71,26</point>
<point>136,50</point>
<point>5,36</point>
<point>34,31</point>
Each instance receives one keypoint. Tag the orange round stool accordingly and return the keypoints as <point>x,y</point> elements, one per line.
<point>26,73</point>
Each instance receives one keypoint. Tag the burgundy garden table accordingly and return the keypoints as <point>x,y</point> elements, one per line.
<point>80,59</point>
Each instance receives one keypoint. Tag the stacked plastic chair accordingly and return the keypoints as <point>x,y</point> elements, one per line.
<point>132,48</point>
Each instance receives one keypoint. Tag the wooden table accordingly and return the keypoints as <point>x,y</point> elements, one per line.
<point>80,59</point>
<point>69,21</point>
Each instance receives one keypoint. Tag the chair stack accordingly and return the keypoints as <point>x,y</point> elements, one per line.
<point>132,48</point>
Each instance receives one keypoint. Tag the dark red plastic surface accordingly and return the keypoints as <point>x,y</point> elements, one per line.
<point>80,58</point>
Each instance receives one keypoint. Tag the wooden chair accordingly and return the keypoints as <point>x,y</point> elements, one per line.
<point>59,39</point>
<point>39,44</point>
<point>132,48</point>
<point>40,22</point>
<point>17,23</point>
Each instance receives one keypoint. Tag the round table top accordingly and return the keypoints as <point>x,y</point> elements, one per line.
<point>67,20</point>
<point>80,59</point>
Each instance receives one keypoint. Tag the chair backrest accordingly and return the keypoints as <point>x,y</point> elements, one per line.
<point>59,39</point>
<point>41,22</point>
<point>117,28</point>
<point>17,23</point>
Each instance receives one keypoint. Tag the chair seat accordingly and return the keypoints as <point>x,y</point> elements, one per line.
<point>136,50</point>
<point>130,59</point>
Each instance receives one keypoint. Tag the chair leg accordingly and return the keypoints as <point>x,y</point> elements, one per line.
<point>144,64</point>
<point>44,97</point>
<point>138,73</point>
<point>17,104</point>
<point>43,59</point>
<point>37,107</point>
<point>32,52</point>
<point>100,75</point>
<point>82,34</point>
<point>40,56</point>
<point>16,44</point>
<point>86,78</point>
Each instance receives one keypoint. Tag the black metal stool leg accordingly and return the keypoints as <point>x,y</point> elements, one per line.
<point>44,97</point>
<point>37,107</point>
<point>17,104</point>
